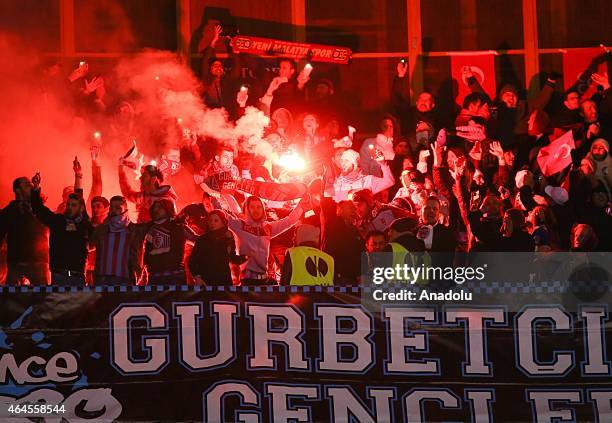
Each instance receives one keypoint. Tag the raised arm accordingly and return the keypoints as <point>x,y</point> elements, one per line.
<point>126,190</point>
<point>472,81</point>
<point>208,51</point>
<point>502,176</point>
<point>441,175</point>
<point>38,208</point>
<point>96,174</point>
<point>287,222</point>
<point>387,180</point>
<point>400,90</point>
<point>545,94</point>
<point>78,175</point>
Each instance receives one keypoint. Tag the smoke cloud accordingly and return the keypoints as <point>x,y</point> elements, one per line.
<point>151,98</point>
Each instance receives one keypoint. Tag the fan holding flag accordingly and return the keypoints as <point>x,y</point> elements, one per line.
<point>557,155</point>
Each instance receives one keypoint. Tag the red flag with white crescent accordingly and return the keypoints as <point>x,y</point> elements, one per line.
<point>557,155</point>
<point>483,67</point>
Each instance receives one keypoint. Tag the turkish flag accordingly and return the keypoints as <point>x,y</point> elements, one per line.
<point>483,67</point>
<point>557,155</point>
<point>575,62</point>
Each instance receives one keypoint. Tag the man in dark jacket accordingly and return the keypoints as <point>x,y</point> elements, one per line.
<point>435,236</point>
<point>70,233</point>
<point>213,252</point>
<point>287,89</point>
<point>422,118</point>
<point>165,245</point>
<point>486,224</point>
<point>27,239</point>
<point>402,232</point>
<point>341,239</point>
<point>220,88</point>
<point>439,240</point>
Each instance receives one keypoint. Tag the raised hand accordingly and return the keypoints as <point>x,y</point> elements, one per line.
<point>423,155</point>
<point>276,82</point>
<point>438,148</point>
<point>94,151</point>
<point>302,78</point>
<point>594,130</point>
<point>216,35</point>
<point>242,96</point>
<point>601,80</point>
<point>402,69</point>
<point>36,180</point>
<point>93,84</point>
<point>496,149</point>
<point>79,72</point>
<point>76,167</point>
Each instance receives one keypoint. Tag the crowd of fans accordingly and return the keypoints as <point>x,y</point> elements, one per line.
<point>429,181</point>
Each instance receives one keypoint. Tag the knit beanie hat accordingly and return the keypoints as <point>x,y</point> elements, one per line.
<point>352,156</point>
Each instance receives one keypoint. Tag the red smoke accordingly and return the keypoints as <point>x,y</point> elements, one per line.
<point>42,127</point>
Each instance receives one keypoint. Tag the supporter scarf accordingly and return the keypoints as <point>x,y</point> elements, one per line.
<point>118,223</point>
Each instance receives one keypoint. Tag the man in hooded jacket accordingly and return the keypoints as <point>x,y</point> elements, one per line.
<point>253,236</point>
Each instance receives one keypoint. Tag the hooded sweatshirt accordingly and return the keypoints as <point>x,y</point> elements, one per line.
<point>603,168</point>
<point>253,239</point>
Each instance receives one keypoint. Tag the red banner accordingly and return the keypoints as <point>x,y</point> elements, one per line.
<point>576,61</point>
<point>312,52</point>
<point>483,67</point>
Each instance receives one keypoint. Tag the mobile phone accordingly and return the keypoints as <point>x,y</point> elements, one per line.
<point>372,150</point>
<point>403,61</point>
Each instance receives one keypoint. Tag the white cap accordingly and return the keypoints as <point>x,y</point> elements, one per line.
<point>352,156</point>
<point>519,179</point>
